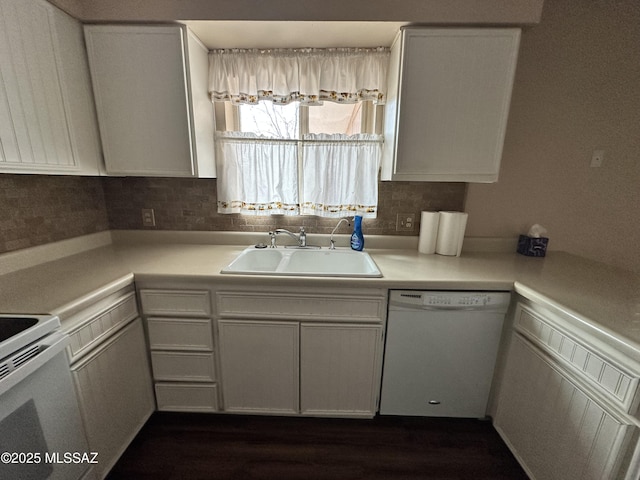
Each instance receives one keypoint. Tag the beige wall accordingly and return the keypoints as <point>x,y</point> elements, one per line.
<point>430,11</point>
<point>577,89</point>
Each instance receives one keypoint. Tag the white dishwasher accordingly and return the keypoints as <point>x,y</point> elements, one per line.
<point>440,352</point>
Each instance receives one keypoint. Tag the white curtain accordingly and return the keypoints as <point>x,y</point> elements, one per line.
<point>340,175</point>
<point>310,76</point>
<point>258,176</point>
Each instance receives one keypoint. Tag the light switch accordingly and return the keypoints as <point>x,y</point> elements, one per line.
<point>597,157</point>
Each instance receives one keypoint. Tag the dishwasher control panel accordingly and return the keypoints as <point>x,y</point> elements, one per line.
<point>467,300</point>
<point>448,299</point>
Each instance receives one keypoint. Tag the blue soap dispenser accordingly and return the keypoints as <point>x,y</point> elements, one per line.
<point>357,239</point>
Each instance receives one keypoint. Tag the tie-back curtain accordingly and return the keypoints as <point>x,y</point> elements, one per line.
<point>310,76</point>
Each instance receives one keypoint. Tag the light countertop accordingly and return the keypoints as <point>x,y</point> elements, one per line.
<point>603,298</point>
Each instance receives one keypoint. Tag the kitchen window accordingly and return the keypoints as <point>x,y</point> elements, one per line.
<point>306,141</point>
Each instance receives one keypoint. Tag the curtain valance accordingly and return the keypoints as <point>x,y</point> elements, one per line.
<point>308,75</point>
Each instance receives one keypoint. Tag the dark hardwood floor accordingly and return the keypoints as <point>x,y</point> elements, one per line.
<point>220,447</point>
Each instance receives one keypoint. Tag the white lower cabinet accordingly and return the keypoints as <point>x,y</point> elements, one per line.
<point>338,369</point>
<point>180,332</point>
<point>259,363</point>
<point>273,352</point>
<point>556,417</point>
<point>114,387</point>
<point>308,354</point>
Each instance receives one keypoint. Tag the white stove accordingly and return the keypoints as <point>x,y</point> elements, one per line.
<point>39,413</point>
<point>18,331</point>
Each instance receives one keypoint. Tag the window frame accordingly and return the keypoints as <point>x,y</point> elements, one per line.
<point>227,118</point>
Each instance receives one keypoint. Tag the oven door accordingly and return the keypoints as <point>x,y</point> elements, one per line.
<point>41,432</point>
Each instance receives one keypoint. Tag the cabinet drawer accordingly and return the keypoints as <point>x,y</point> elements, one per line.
<point>178,366</point>
<point>185,303</point>
<point>618,382</point>
<point>100,325</point>
<point>180,334</point>
<point>351,308</point>
<point>184,397</point>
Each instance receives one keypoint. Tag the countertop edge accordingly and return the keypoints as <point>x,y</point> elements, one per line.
<point>589,326</point>
<point>72,308</point>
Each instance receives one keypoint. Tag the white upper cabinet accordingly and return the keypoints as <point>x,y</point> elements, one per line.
<point>47,116</point>
<point>448,103</point>
<point>150,87</point>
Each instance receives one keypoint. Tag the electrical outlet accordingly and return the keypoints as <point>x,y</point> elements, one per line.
<point>405,222</point>
<point>148,217</point>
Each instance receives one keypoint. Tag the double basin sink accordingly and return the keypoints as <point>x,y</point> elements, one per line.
<point>303,262</point>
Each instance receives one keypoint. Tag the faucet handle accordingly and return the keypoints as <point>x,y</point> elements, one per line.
<point>302,238</point>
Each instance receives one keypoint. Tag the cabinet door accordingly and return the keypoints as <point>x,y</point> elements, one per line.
<point>259,363</point>
<point>47,121</point>
<point>554,428</point>
<point>139,81</point>
<point>116,395</point>
<point>446,118</point>
<point>339,369</point>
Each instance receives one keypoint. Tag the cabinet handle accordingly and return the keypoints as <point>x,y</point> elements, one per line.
<point>434,402</point>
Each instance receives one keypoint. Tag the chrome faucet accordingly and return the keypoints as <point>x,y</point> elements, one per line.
<point>301,238</point>
<point>332,243</point>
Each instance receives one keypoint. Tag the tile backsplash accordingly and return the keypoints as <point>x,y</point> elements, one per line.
<point>190,204</point>
<point>38,209</point>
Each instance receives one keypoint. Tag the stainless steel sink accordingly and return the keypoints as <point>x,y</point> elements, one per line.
<point>303,262</point>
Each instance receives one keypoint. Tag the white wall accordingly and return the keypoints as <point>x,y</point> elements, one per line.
<point>577,89</point>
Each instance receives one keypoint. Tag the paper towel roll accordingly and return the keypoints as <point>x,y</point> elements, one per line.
<point>428,232</point>
<point>451,233</point>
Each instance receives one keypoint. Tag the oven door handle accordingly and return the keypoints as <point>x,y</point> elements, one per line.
<point>50,346</point>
